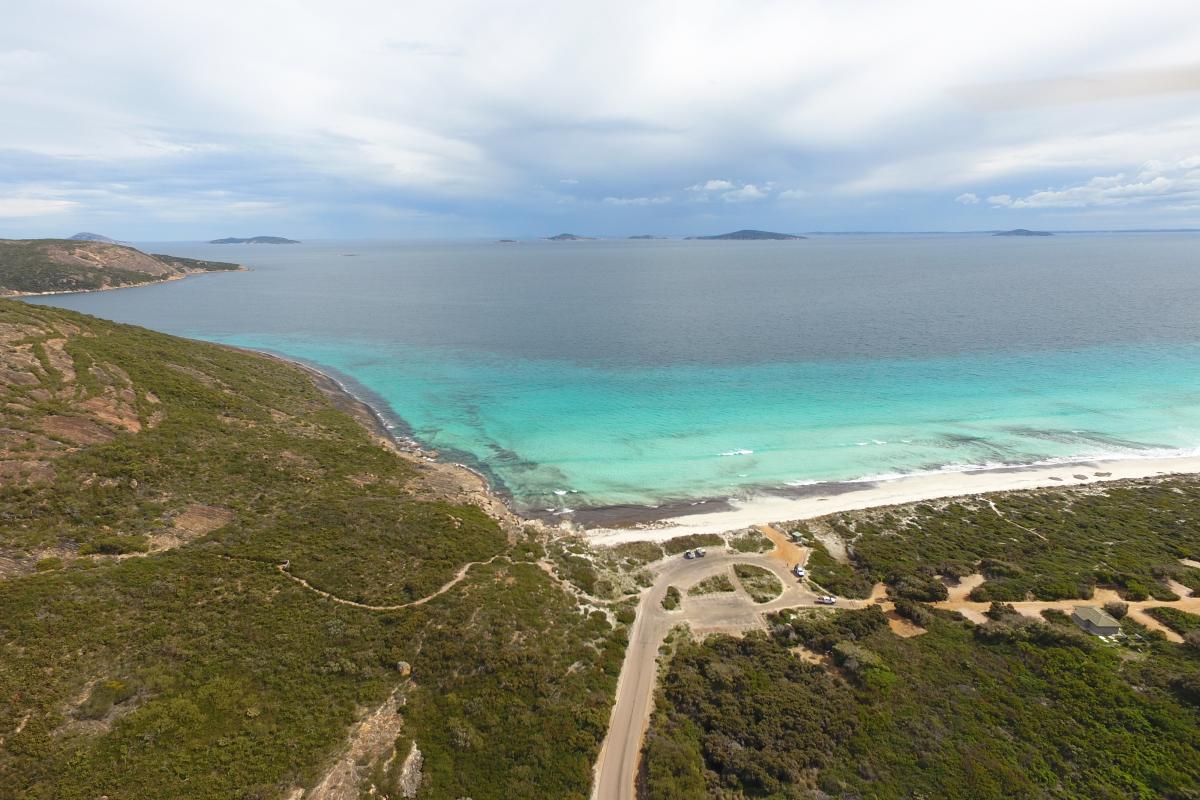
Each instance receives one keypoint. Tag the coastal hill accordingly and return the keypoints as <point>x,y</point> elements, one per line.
<point>37,266</point>
<point>84,236</point>
<point>220,578</point>
<point>1022,232</point>
<point>254,240</point>
<point>749,235</point>
<point>570,237</point>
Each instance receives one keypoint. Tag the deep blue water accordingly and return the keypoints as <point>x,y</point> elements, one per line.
<point>591,373</point>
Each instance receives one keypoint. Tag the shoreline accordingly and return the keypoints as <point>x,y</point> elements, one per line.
<point>832,498</point>
<point>615,524</point>
<point>681,518</point>
<point>629,523</point>
<point>445,479</point>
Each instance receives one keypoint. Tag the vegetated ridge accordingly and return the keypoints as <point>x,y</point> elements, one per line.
<point>40,266</point>
<point>218,582</point>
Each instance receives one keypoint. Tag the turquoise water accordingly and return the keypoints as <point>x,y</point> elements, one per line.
<point>645,373</point>
<point>646,436</point>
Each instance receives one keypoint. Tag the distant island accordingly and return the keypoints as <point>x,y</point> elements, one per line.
<point>254,240</point>
<point>506,241</point>
<point>1022,232</point>
<point>84,236</point>
<point>744,235</point>
<point>569,237</point>
<point>647,236</point>
<point>48,266</point>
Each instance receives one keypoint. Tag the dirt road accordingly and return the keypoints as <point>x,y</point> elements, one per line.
<point>729,612</point>
<point>734,612</point>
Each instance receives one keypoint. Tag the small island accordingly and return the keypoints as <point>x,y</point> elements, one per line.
<point>506,241</point>
<point>254,240</point>
<point>569,237</point>
<point>85,236</point>
<point>749,235</point>
<point>1021,232</point>
<point>647,236</point>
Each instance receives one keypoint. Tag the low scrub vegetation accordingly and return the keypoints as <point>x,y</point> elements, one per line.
<point>1052,544</point>
<point>945,714</point>
<point>751,541</point>
<point>679,544</point>
<point>196,668</point>
<point>714,584</point>
<point>761,584</point>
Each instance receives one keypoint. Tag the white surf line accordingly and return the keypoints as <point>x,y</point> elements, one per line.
<point>898,491</point>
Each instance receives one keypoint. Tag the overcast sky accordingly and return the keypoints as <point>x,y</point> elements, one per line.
<point>192,119</point>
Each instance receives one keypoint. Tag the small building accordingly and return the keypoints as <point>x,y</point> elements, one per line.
<point>1095,620</point>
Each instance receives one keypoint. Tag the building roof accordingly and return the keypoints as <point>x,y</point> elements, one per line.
<point>1095,615</point>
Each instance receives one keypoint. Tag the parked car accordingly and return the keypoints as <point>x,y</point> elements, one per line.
<point>799,571</point>
<point>689,554</point>
<point>700,552</point>
<point>826,600</point>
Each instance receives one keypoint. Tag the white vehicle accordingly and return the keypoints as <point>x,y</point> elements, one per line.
<point>799,571</point>
<point>826,600</point>
<point>700,553</point>
<point>689,555</point>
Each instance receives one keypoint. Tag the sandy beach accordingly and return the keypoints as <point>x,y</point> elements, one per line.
<point>909,489</point>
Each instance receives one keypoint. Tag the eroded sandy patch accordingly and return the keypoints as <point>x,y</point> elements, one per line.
<point>902,626</point>
<point>958,591</point>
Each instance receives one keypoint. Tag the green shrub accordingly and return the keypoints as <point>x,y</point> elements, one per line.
<point>925,588</point>
<point>104,695</point>
<point>1177,620</point>
<point>114,545</point>
<point>917,613</point>
<point>679,544</point>
<point>998,610</point>
<point>713,584</point>
<point>751,541</point>
<point>1116,609</point>
<point>761,584</point>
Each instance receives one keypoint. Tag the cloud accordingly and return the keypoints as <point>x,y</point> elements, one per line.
<point>468,110</point>
<point>32,206</point>
<point>715,185</point>
<point>967,199</point>
<point>1173,185</point>
<point>1007,95</point>
<point>636,201</point>
<point>728,191</point>
<point>744,194</point>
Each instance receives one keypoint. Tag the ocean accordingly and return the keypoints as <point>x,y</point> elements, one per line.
<point>599,373</point>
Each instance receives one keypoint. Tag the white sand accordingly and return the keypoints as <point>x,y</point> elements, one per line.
<point>909,489</point>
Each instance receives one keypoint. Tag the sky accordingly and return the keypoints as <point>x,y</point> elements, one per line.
<point>152,121</point>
